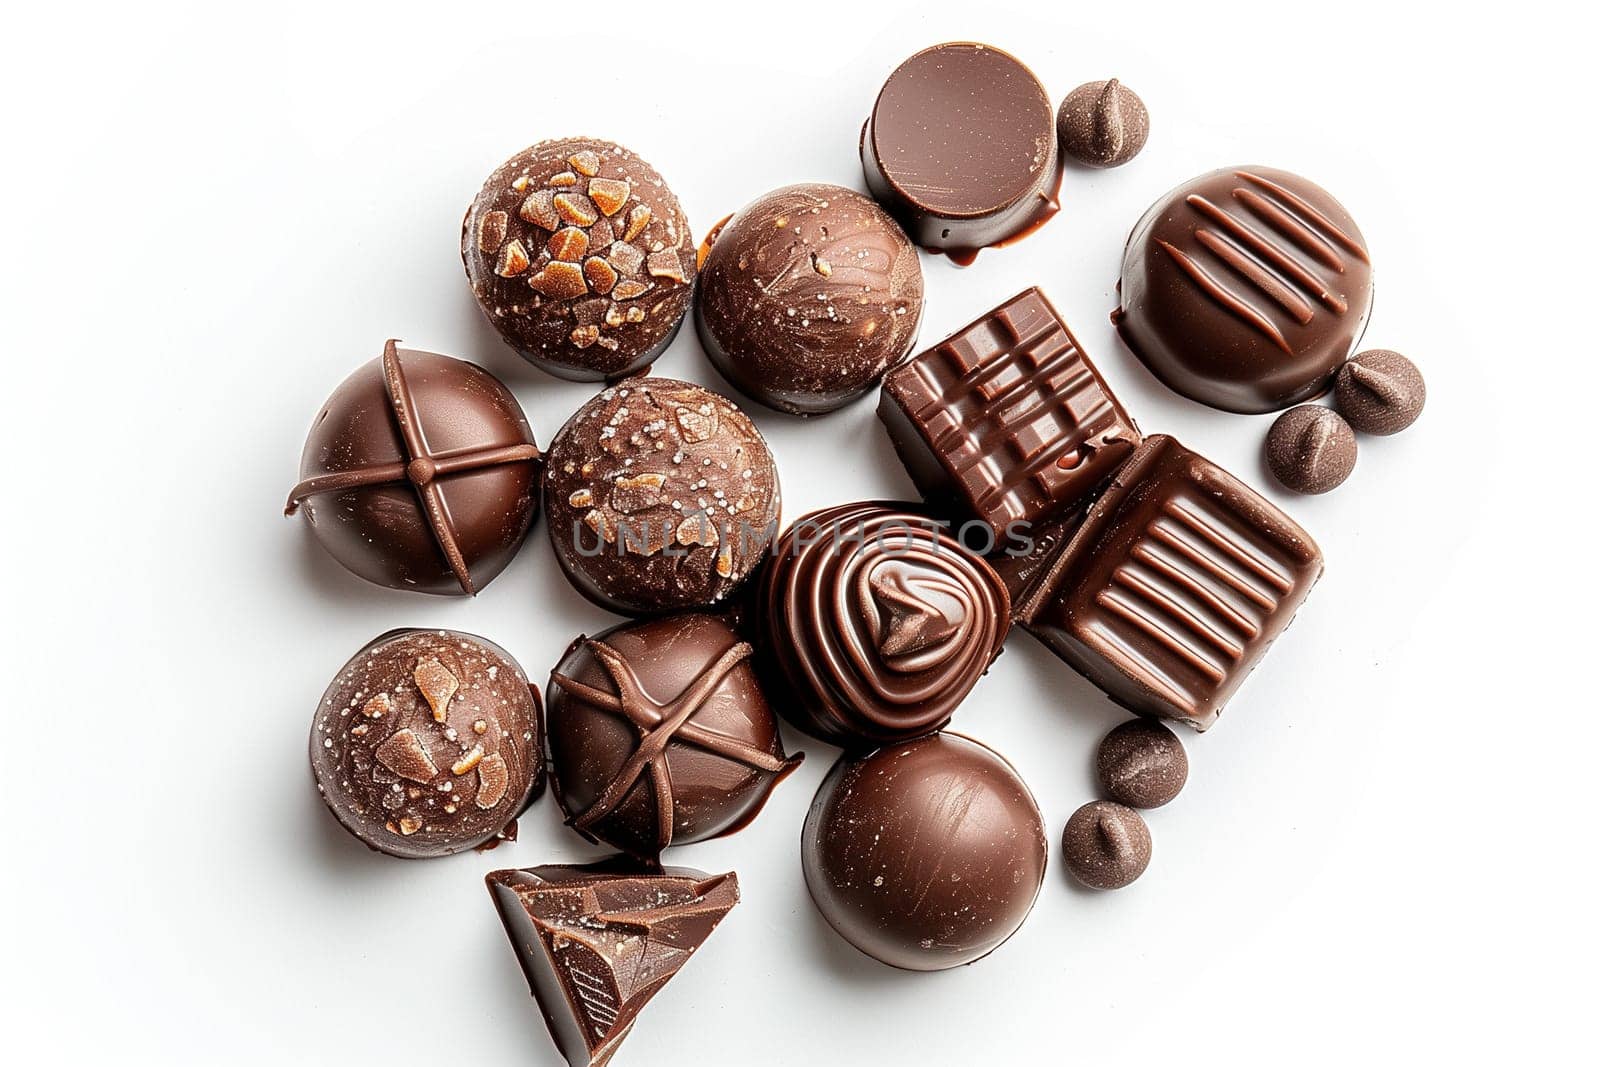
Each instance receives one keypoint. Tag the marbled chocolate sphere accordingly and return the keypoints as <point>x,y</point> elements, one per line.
<point>924,855</point>
<point>662,495</point>
<point>581,257</point>
<point>660,734</point>
<point>428,742</point>
<point>420,472</point>
<point>807,296</point>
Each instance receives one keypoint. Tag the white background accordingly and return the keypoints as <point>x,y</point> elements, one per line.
<point>211,217</point>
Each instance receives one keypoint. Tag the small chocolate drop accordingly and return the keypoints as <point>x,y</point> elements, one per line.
<point>1310,449</point>
<point>1106,845</point>
<point>1102,124</point>
<point>1380,392</point>
<point>1142,764</point>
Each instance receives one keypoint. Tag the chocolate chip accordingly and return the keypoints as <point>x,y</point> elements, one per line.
<point>1310,449</point>
<point>1142,764</point>
<point>1106,845</point>
<point>1380,392</point>
<point>1102,124</point>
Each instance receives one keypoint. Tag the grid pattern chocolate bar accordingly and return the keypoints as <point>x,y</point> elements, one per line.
<point>1007,420</point>
<point>1174,586</point>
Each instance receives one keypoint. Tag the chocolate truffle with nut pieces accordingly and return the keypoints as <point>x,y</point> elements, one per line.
<point>420,473</point>
<point>581,257</point>
<point>663,497</point>
<point>807,296</point>
<point>428,742</point>
<point>661,735</point>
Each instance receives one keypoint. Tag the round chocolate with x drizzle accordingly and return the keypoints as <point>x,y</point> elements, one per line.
<point>420,472</point>
<point>660,735</point>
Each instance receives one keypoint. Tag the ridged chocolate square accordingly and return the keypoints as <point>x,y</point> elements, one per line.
<point>1172,589</point>
<point>1007,420</point>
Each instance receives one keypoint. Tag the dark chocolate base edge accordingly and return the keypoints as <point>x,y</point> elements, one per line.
<point>543,982</point>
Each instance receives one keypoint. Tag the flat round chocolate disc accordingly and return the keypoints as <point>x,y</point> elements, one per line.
<point>961,148</point>
<point>1245,289</point>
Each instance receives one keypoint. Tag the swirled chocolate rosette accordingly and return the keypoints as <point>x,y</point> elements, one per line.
<point>875,624</point>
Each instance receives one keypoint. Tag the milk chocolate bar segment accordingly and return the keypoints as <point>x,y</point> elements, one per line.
<point>1177,582</point>
<point>1007,420</point>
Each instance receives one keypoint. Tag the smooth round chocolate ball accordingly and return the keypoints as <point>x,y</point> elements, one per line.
<point>661,497</point>
<point>1380,392</point>
<point>1245,288</point>
<point>1106,845</point>
<point>925,855</point>
<point>660,735</point>
<point>807,296</point>
<point>428,742</point>
<point>581,257</point>
<point>874,624</point>
<point>1102,124</point>
<point>1141,764</point>
<point>1310,449</point>
<point>420,472</point>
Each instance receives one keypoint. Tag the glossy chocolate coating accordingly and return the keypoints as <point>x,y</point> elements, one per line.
<point>1106,845</point>
<point>1102,124</point>
<point>581,257</point>
<point>661,496</point>
<point>1175,585</point>
<point>1310,449</point>
<point>1006,420</point>
<point>1141,764</point>
<point>1245,289</point>
<point>598,942</point>
<point>961,149</point>
<point>1024,558</point>
<point>925,855</point>
<point>874,625</point>
<point>660,735</point>
<point>420,472</point>
<point>428,742</point>
<point>807,296</point>
<point>1380,392</point>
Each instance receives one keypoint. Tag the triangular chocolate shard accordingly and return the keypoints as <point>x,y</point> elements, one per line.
<point>597,942</point>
